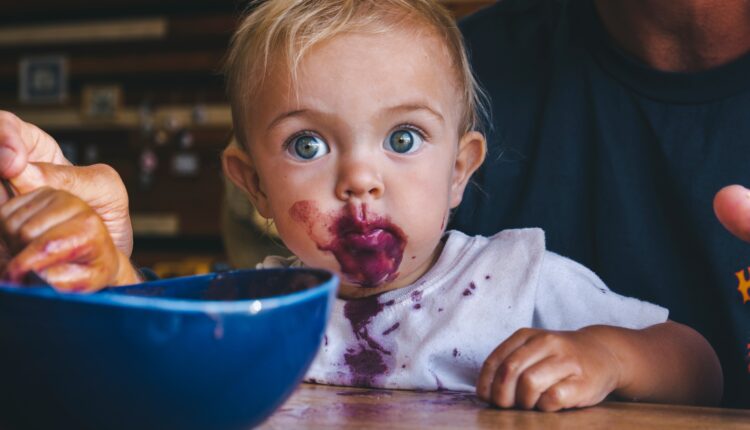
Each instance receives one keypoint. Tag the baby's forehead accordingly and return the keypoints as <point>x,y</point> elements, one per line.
<point>347,55</point>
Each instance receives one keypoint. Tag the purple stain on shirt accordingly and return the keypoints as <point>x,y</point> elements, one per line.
<point>417,306</point>
<point>367,360</point>
<point>365,365</point>
<point>391,329</point>
<point>467,292</point>
<point>486,277</point>
<point>455,352</point>
<point>440,309</point>
<point>472,285</point>
<point>416,295</point>
<point>438,382</point>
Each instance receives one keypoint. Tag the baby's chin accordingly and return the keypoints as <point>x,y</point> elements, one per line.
<point>348,290</point>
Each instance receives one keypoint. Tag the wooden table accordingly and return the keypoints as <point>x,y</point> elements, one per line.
<point>326,407</point>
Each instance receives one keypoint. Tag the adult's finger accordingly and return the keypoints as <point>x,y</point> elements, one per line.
<point>732,207</point>
<point>21,142</point>
<point>72,277</point>
<point>99,185</point>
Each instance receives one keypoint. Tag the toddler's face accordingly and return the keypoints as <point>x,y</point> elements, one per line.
<point>360,163</point>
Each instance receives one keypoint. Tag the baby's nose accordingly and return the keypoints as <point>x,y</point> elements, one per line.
<point>360,180</point>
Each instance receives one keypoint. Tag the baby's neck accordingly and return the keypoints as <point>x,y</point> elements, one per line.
<point>351,291</point>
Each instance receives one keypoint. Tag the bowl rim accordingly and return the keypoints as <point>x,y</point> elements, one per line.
<point>155,303</point>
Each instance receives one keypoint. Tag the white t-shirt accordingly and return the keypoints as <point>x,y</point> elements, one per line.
<point>437,332</point>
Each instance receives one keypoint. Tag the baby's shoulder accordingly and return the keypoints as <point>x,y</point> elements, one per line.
<point>526,244</point>
<point>279,262</point>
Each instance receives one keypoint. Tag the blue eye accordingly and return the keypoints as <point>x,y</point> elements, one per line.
<point>307,147</point>
<point>404,141</point>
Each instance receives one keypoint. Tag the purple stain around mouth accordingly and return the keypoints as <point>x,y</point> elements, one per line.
<point>369,248</point>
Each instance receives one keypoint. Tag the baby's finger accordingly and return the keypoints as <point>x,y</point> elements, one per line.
<point>568,393</point>
<point>496,358</point>
<point>538,378</point>
<point>503,393</point>
<point>64,243</point>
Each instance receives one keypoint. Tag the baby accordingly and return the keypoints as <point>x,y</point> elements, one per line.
<point>359,129</point>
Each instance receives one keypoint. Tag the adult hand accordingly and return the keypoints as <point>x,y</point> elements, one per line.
<point>31,159</point>
<point>58,236</point>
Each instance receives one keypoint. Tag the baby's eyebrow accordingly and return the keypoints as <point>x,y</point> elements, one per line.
<point>286,115</point>
<point>411,107</point>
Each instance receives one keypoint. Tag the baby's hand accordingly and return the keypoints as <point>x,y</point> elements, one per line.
<point>58,236</point>
<point>548,370</point>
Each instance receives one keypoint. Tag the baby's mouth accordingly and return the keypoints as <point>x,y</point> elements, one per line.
<point>373,240</point>
<point>367,246</point>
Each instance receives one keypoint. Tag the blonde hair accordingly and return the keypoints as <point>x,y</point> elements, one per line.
<point>289,28</point>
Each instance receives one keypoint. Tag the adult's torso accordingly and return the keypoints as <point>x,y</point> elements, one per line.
<point>618,163</point>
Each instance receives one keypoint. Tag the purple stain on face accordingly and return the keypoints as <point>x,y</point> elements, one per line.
<point>368,247</point>
<point>325,339</point>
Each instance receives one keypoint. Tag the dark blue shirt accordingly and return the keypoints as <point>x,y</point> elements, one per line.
<point>618,163</point>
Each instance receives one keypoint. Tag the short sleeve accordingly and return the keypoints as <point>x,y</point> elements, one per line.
<point>276,262</point>
<point>569,296</point>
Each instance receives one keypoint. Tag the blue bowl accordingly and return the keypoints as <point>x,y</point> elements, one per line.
<point>219,351</point>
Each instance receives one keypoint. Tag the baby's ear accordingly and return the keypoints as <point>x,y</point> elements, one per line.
<point>239,167</point>
<point>471,151</point>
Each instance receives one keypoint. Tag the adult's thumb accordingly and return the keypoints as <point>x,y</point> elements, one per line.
<point>732,208</point>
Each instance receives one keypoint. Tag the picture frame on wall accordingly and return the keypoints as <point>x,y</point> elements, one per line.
<point>101,101</point>
<point>43,79</point>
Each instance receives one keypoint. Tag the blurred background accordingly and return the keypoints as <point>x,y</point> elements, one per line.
<point>136,84</point>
